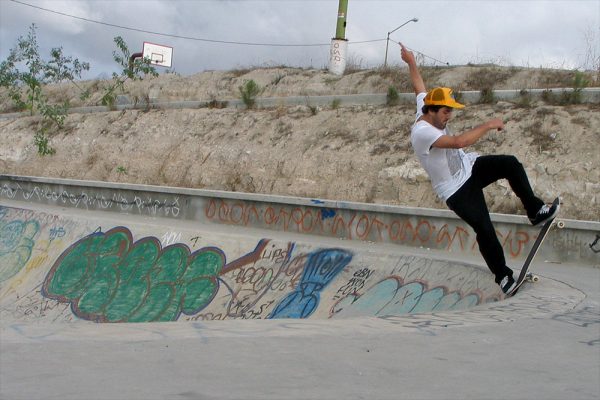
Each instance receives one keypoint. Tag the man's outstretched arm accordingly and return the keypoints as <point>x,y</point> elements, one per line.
<point>415,76</point>
<point>469,137</point>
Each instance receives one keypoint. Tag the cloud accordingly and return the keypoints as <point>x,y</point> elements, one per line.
<point>65,25</point>
<point>534,32</point>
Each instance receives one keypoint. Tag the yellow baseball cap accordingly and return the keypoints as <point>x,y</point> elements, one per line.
<point>442,96</point>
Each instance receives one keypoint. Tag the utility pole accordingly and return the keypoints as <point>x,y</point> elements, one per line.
<point>339,44</point>
<point>340,30</point>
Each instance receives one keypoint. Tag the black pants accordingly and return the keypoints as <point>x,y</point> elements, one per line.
<point>469,204</point>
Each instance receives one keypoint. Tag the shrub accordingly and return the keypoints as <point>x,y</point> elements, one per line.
<point>393,98</point>
<point>486,96</point>
<point>524,99</point>
<point>568,97</point>
<point>41,142</point>
<point>214,103</point>
<point>249,90</point>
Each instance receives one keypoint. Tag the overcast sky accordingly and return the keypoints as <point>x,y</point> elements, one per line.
<point>533,33</point>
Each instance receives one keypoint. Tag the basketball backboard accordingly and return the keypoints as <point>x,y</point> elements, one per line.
<point>158,54</point>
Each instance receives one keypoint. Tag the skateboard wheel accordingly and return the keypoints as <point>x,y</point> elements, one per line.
<point>532,277</point>
<point>560,224</point>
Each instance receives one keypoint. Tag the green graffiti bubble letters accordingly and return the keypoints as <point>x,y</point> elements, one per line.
<point>108,278</point>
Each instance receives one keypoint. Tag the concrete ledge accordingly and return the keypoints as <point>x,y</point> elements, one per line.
<point>588,95</point>
<point>578,241</point>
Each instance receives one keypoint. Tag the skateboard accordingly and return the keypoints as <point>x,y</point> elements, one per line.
<point>528,276</point>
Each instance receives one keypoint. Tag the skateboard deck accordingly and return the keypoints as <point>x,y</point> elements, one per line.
<point>525,275</point>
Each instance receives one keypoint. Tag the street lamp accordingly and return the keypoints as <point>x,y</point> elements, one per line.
<point>388,38</point>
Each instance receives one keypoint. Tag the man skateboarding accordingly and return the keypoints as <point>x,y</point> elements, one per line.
<point>458,178</point>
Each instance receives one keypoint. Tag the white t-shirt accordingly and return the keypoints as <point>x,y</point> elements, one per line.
<point>448,169</point>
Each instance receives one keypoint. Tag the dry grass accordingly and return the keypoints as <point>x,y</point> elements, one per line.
<point>488,77</point>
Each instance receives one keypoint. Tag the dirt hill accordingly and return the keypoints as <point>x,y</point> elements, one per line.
<point>358,153</point>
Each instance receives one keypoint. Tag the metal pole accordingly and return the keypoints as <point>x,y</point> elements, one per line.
<point>388,38</point>
<point>386,50</point>
<point>133,57</point>
<point>340,30</point>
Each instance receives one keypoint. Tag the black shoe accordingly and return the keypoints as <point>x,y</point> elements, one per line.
<point>547,212</point>
<point>507,284</point>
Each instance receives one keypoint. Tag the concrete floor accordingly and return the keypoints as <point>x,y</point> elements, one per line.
<point>544,343</point>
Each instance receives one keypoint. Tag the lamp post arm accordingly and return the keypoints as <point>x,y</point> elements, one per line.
<point>389,33</point>
<point>410,20</point>
<point>387,42</point>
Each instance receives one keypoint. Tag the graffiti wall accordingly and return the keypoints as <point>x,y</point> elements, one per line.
<point>65,268</point>
<point>90,198</point>
<point>578,242</point>
<point>408,230</point>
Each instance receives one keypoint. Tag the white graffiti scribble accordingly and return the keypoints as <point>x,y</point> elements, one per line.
<point>169,206</point>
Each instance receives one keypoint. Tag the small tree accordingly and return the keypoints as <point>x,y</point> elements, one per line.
<point>393,98</point>
<point>249,90</point>
<point>25,69</point>
<point>135,70</point>
<point>24,73</point>
<point>580,82</point>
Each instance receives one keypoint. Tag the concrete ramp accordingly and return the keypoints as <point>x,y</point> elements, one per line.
<point>66,265</point>
<point>334,291</point>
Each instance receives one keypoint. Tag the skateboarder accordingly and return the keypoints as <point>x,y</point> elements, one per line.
<point>458,178</point>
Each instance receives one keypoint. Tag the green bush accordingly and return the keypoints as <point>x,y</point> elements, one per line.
<point>41,141</point>
<point>393,98</point>
<point>249,90</point>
